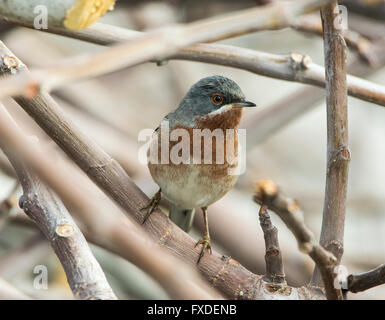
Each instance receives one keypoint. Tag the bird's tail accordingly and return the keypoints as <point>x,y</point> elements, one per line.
<point>182,217</point>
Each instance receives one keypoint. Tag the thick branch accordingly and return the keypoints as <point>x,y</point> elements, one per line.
<point>367,280</point>
<point>267,193</point>
<point>338,154</point>
<point>84,274</point>
<point>273,256</point>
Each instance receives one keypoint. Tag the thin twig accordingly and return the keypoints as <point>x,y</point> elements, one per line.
<point>267,193</point>
<point>338,154</point>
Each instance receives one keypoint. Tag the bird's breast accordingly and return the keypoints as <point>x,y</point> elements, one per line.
<point>193,165</point>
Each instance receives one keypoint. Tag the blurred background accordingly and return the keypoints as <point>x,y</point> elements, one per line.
<point>286,143</point>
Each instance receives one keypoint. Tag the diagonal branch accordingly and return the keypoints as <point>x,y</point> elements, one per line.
<point>155,45</point>
<point>338,154</point>
<point>84,274</point>
<point>267,193</point>
<point>292,67</point>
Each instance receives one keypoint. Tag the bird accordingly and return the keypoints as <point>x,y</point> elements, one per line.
<point>192,172</point>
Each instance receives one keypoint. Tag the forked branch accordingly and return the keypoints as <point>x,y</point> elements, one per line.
<point>267,193</point>
<point>338,154</point>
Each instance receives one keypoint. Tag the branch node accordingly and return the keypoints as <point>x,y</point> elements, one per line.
<point>305,247</point>
<point>65,230</point>
<point>335,246</point>
<point>277,288</point>
<point>10,64</point>
<point>300,61</point>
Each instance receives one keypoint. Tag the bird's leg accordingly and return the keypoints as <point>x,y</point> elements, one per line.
<point>205,242</point>
<point>152,205</point>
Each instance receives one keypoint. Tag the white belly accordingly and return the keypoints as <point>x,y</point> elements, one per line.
<point>188,187</point>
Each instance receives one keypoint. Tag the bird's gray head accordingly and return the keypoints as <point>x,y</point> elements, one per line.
<point>209,95</point>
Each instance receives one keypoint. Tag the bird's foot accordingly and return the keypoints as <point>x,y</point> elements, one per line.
<point>154,202</point>
<point>206,246</point>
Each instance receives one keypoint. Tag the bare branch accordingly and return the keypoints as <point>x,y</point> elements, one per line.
<point>156,44</point>
<point>84,274</point>
<point>293,67</point>
<point>273,256</point>
<point>267,193</point>
<point>338,154</point>
<point>367,280</point>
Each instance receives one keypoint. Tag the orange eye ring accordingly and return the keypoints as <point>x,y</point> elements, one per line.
<point>217,99</point>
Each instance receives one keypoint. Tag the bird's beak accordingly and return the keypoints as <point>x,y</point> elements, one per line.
<point>245,103</point>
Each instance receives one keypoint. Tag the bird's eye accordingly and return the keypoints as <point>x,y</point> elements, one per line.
<point>217,98</point>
